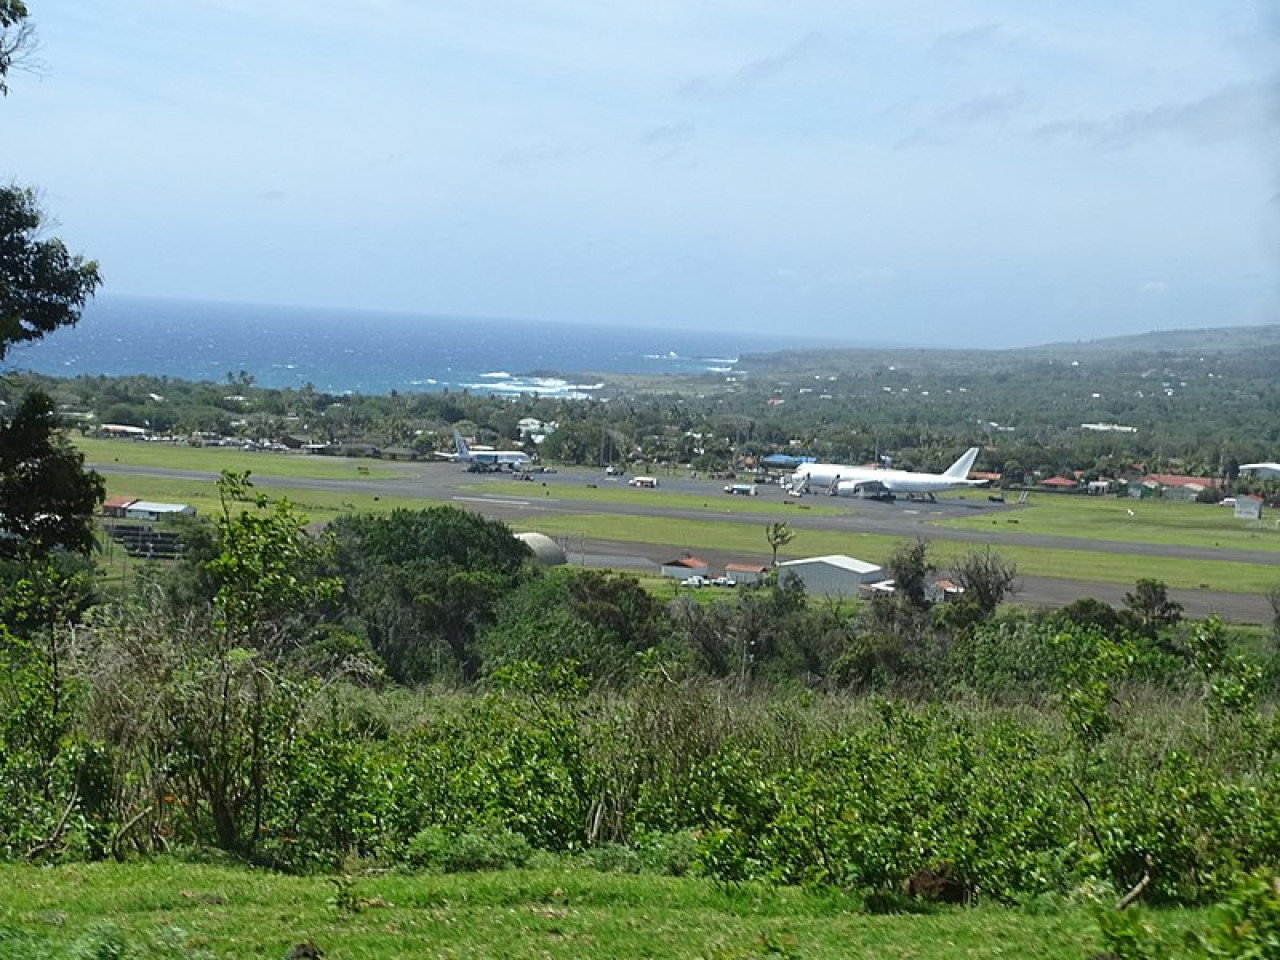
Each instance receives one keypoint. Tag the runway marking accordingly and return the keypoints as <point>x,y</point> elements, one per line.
<point>494,500</point>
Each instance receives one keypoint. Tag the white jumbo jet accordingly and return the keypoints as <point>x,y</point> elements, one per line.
<point>487,459</point>
<point>846,480</point>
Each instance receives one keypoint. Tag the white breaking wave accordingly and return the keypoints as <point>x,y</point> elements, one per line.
<point>544,386</point>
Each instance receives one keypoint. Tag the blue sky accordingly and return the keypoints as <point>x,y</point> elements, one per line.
<point>985,172</point>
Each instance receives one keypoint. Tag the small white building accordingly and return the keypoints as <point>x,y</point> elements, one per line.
<point>684,567</point>
<point>153,511</point>
<point>746,573</point>
<point>831,576</point>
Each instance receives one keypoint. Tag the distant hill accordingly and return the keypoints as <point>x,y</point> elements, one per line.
<point>1208,339</point>
<point>1252,342</point>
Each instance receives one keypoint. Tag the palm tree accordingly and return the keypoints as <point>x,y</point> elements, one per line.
<point>779,535</point>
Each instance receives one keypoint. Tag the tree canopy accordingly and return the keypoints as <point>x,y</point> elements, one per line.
<point>42,285</point>
<point>15,36</point>
<point>47,498</point>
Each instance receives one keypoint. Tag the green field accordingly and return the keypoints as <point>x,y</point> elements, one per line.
<point>749,540</point>
<point>1131,521</point>
<point>318,505</point>
<point>167,908</point>
<point>217,459</point>
<point>1079,518</point>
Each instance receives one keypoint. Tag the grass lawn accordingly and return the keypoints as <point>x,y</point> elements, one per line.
<point>203,495</point>
<point>1133,521</point>
<point>167,908</point>
<point>216,459</point>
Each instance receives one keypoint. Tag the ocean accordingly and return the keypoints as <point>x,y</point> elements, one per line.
<point>371,352</point>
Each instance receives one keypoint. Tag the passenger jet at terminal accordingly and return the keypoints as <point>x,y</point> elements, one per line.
<point>846,480</point>
<point>487,460</point>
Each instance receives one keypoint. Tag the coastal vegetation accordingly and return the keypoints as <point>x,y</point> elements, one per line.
<point>409,693</point>
<point>407,699</point>
<point>400,734</point>
<point>1199,406</point>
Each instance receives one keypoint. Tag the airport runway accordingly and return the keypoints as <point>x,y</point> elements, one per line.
<point>450,483</point>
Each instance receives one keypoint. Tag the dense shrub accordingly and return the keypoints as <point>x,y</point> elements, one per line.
<point>435,848</point>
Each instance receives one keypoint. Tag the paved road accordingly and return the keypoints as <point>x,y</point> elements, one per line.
<point>447,482</point>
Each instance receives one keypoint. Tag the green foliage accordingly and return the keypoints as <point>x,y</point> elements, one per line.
<point>910,567</point>
<point>42,285</point>
<point>1092,664</point>
<point>1151,607</point>
<point>1247,924</point>
<point>669,854</point>
<point>55,787</point>
<point>597,620</point>
<point>1130,935</point>
<point>332,796</point>
<point>47,498</point>
<point>913,793</point>
<point>230,716</point>
<point>425,583</point>
<point>987,580</point>
<point>266,570</point>
<point>434,848</point>
<point>778,535</point>
<point>15,37</point>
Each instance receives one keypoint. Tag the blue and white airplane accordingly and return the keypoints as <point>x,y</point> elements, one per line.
<point>481,460</point>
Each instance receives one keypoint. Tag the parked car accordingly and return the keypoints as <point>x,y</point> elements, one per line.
<point>724,582</point>
<point>696,580</point>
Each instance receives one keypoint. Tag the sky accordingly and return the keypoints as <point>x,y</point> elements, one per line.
<point>944,172</point>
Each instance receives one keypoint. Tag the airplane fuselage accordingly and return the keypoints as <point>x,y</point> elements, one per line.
<point>844,479</point>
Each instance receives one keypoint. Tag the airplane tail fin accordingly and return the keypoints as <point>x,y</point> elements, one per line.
<point>460,445</point>
<point>960,469</point>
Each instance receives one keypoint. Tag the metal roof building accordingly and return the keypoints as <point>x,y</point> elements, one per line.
<point>831,576</point>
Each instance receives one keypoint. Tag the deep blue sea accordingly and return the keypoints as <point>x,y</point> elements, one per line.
<point>341,351</point>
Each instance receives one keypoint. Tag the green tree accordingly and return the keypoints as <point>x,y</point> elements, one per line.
<point>47,498</point>
<point>1151,608</point>
<point>42,285</point>
<point>779,535</point>
<point>987,579</point>
<point>598,621</point>
<point>426,582</point>
<point>15,37</point>
<point>267,569</point>
<point>230,711</point>
<point>910,567</point>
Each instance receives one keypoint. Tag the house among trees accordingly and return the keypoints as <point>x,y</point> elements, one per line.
<point>1173,486</point>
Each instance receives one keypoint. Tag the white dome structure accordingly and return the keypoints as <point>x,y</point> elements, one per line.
<point>546,551</point>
